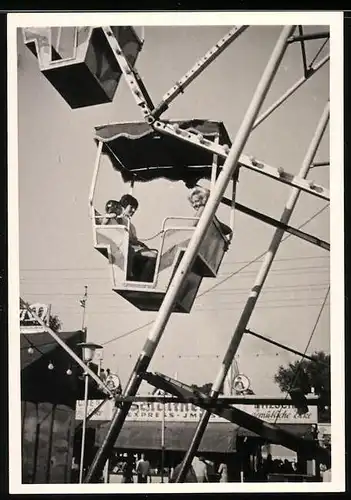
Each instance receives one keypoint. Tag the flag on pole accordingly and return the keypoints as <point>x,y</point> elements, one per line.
<point>84,299</point>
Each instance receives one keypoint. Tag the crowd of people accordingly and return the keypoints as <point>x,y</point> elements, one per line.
<point>278,466</point>
<point>129,468</point>
<point>204,470</point>
<point>201,470</point>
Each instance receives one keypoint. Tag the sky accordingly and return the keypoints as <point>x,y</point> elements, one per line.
<point>56,255</point>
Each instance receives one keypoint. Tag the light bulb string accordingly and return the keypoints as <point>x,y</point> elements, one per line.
<point>33,347</point>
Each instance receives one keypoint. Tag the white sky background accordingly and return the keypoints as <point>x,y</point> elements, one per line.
<point>56,159</point>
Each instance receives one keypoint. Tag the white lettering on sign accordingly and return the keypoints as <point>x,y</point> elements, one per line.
<point>187,412</point>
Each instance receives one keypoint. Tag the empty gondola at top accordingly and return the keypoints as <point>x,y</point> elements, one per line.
<point>79,62</point>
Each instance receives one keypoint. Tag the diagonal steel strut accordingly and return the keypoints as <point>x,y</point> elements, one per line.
<point>249,162</point>
<point>311,70</point>
<point>254,294</point>
<point>242,400</point>
<point>271,432</point>
<point>282,346</point>
<point>197,69</point>
<point>229,169</point>
<point>273,222</point>
<point>133,79</point>
<point>69,351</point>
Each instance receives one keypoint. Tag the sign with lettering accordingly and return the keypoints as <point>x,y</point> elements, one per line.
<point>113,383</point>
<point>28,324</point>
<point>187,412</point>
<point>241,383</point>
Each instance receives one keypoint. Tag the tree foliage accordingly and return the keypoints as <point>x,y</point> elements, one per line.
<point>55,323</point>
<point>307,374</point>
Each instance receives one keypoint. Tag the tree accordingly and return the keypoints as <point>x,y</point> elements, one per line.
<point>307,374</point>
<point>55,323</point>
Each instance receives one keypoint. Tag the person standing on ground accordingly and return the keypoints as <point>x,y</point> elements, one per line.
<point>128,470</point>
<point>325,473</point>
<point>223,472</point>
<point>201,469</point>
<point>142,469</point>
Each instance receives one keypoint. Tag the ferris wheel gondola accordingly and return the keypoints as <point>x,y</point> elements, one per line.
<point>79,62</point>
<point>140,154</point>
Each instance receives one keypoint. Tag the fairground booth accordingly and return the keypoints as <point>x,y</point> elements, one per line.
<point>51,383</point>
<point>164,432</point>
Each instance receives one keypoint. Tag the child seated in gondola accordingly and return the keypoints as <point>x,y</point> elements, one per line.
<point>141,258</point>
<point>113,210</point>
<point>198,198</point>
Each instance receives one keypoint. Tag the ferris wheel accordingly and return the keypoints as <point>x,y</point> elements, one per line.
<point>85,65</point>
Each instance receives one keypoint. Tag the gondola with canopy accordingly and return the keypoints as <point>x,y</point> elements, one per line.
<point>140,154</point>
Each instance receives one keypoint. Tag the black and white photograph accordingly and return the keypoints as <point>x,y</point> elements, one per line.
<point>176,252</point>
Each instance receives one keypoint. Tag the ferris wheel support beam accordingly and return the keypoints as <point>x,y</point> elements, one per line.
<point>131,75</point>
<point>229,168</point>
<point>92,413</point>
<point>69,351</point>
<point>243,400</point>
<point>321,164</point>
<point>270,432</point>
<point>309,36</point>
<point>311,70</point>
<point>303,52</point>
<point>276,223</point>
<point>282,346</point>
<point>254,294</point>
<point>250,162</point>
<point>197,69</point>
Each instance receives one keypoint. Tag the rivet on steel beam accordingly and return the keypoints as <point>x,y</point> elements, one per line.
<point>150,119</point>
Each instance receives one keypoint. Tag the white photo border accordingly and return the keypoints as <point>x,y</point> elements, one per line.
<point>335,21</point>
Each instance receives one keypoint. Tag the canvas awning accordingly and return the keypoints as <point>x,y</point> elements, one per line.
<point>139,152</point>
<point>219,437</point>
<point>43,344</point>
<point>39,384</point>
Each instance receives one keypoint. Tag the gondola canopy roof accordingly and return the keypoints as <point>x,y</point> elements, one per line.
<point>142,154</point>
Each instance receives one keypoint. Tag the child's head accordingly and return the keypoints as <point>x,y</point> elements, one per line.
<point>129,204</point>
<point>198,197</point>
<point>113,207</point>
